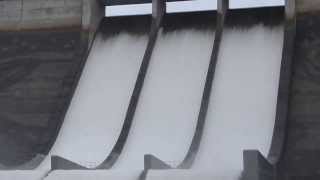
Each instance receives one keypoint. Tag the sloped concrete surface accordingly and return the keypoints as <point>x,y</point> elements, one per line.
<point>43,48</point>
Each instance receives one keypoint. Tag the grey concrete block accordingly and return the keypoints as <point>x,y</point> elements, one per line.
<point>10,14</point>
<point>307,5</point>
<point>256,167</point>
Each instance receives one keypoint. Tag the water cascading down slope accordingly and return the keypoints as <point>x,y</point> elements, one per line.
<point>177,75</point>
<point>166,96</point>
<point>242,106</point>
<point>245,78</point>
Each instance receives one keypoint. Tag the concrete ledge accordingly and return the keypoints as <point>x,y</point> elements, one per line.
<point>39,14</point>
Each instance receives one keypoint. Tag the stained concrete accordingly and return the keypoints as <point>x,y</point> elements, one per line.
<point>43,47</point>
<point>302,150</point>
<point>307,5</point>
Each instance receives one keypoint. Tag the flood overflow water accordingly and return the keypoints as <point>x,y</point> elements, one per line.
<point>241,111</point>
<point>242,106</point>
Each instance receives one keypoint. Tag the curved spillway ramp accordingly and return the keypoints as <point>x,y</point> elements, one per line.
<point>172,96</point>
<point>246,78</point>
<point>61,163</point>
<point>255,165</point>
<point>171,71</point>
<point>144,93</point>
<point>152,162</point>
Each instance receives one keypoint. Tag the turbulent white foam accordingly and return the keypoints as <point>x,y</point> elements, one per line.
<point>167,111</point>
<point>241,112</point>
<point>96,114</point>
<point>243,102</point>
<point>242,106</point>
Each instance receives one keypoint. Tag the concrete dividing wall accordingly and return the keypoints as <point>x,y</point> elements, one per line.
<point>92,11</point>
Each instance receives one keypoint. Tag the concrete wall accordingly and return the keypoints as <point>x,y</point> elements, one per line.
<point>43,49</point>
<point>48,14</point>
<point>93,11</point>
<point>39,14</point>
<point>10,14</point>
<point>307,5</point>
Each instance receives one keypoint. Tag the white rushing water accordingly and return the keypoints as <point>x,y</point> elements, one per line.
<point>96,114</point>
<point>167,111</point>
<point>97,111</point>
<point>242,106</point>
<point>241,112</point>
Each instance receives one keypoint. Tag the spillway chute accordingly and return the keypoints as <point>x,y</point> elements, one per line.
<point>158,91</point>
<point>255,164</point>
<point>220,121</point>
<point>155,163</point>
<point>157,15</point>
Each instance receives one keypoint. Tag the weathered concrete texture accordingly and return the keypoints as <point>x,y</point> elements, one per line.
<point>93,12</point>
<point>37,14</point>
<point>43,48</point>
<point>307,5</point>
<point>10,14</point>
<point>46,14</point>
<point>302,152</point>
<point>37,75</point>
<point>50,14</point>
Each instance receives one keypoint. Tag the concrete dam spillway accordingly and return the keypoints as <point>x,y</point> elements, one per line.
<point>101,102</point>
<point>218,93</point>
<point>167,111</point>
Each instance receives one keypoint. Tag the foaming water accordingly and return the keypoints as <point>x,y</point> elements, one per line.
<point>167,111</point>
<point>242,105</point>
<point>241,111</point>
<point>97,111</point>
<point>95,116</point>
<point>243,102</point>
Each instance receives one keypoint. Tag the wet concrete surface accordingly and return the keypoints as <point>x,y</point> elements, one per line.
<point>37,74</point>
<point>302,151</point>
